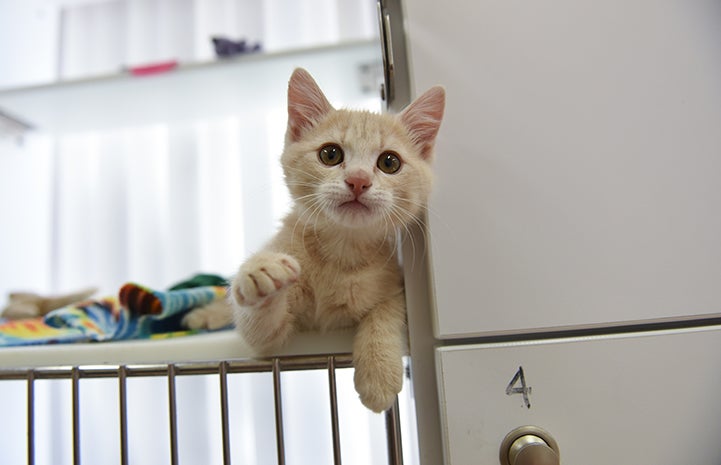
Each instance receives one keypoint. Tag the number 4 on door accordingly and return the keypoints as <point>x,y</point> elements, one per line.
<point>525,391</point>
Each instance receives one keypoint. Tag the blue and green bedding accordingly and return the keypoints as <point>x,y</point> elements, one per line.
<point>137,312</point>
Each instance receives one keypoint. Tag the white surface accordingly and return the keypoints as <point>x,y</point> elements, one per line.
<point>578,162</point>
<point>637,399</point>
<point>224,345</point>
<point>28,47</point>
<point>239,86</point>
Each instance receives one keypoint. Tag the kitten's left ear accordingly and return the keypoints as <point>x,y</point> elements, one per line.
<point>423,118</point>
<point>306,103</point>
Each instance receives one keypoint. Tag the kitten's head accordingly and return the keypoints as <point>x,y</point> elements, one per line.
<point>358,169</point>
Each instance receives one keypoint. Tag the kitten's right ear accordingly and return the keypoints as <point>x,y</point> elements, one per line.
<point>306,103</point>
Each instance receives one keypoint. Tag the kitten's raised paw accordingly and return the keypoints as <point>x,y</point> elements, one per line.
<point>215,315</point>
<point>262,276</point>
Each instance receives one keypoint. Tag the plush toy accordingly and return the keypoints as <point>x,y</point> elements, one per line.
<point>30,305</point>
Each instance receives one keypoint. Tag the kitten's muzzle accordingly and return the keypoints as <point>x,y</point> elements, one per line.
<point>358,184</point>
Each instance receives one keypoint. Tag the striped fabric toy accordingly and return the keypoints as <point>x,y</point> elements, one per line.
<point>137,313</point>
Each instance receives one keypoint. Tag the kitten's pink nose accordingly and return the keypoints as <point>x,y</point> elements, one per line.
<point>358,183</point>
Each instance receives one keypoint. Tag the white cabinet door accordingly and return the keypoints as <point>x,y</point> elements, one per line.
<point>641,399</point>
<point>578,163</point>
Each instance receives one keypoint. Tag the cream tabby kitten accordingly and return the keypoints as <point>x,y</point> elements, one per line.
<point>355,179</point>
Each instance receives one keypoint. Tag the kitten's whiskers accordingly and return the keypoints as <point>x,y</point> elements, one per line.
<point>304,173</point>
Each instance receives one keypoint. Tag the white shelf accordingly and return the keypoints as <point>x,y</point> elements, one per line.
<point>233,87</point>
<point>218,346</point>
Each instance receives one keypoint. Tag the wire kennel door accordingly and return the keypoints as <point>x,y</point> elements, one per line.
<point>171,373</point>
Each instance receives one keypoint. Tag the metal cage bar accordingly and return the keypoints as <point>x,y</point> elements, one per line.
<point>289,363</point>
<point>275,366</point>
<point>335,427</point>
<point>393,434</point>
<point>31,416</point>
<point>173,414</point>
<point>280,443</point>
<point>225,421</point>
<point>76,414</point>
<point>123,402</point>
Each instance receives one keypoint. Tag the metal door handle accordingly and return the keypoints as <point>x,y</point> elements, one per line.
<point>529,445</point>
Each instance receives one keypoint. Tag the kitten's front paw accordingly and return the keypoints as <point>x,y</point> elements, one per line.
<point>262,276</point>
<point>378,382</point>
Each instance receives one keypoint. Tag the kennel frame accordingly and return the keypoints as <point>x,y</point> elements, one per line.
<point>219,366</point>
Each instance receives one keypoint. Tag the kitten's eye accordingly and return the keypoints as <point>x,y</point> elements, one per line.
<point>330,154</point>
<point>389,162</point>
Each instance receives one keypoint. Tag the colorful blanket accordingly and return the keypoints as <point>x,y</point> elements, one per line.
<point>136,313</point>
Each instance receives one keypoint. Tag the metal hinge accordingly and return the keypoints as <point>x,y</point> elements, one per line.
<point>388,86</point>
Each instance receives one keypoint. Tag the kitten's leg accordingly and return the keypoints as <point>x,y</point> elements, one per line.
<point>214,315</point>
<point>261,294</point>
<point>377,354</point>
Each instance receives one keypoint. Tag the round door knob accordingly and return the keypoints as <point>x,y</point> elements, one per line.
<point>529,445</point>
